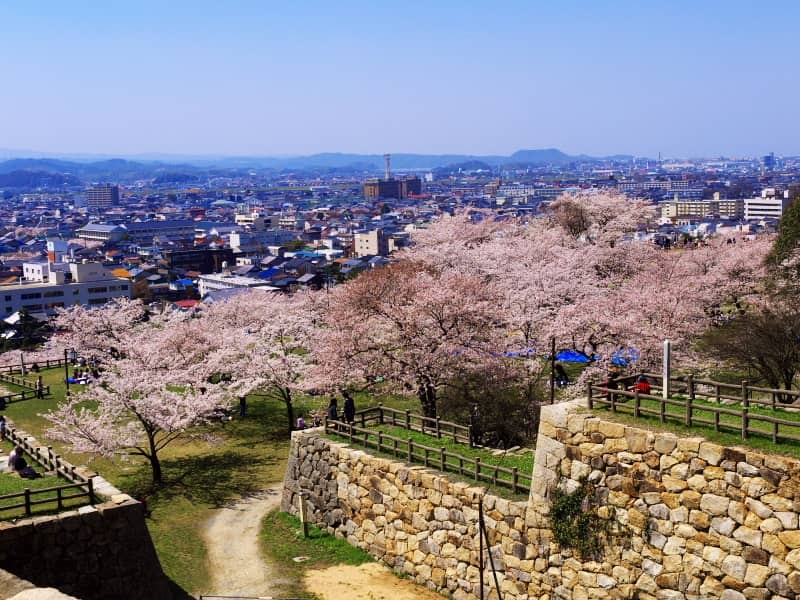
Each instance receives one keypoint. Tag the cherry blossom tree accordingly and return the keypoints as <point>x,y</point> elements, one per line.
<point>155,387</point>
<point>267,340</point>
<point>409,325</point>
<point>579,275</point>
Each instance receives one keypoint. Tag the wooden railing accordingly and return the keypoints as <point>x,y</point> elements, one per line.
<point>384,415</point>
<point>42,364</point>
<point>716,398</point>
<point>438,458</point>
<point>29,497</point>
<point>23,395</point>
<point>47,459</point>
<point>22,382</point>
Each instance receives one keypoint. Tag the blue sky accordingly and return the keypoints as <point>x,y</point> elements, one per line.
<point>267,78</point>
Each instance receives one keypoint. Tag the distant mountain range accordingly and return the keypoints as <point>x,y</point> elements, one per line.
<point>24,172</point>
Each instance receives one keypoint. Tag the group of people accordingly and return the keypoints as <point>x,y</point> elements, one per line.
<point>81,376</point>
<point>348,412</point>
<point>18,464</point>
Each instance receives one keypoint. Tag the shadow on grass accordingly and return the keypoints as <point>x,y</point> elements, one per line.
<point>211,479</point>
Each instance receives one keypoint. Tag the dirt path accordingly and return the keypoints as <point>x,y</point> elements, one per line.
<point>237,566</point>
<point>371,581</point>
<point>234,553</point>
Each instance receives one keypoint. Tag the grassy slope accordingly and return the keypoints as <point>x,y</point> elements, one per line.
<point>282,540</point>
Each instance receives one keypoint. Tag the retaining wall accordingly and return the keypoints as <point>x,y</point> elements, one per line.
<point>692,519</point>
<point>100,552</point>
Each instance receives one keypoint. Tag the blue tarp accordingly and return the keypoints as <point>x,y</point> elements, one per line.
<point>571,356</point>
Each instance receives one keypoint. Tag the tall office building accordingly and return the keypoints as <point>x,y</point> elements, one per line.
<point>389,187</point>
<point>102,196</point>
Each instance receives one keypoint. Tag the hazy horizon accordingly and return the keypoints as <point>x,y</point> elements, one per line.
<point>263,79</point>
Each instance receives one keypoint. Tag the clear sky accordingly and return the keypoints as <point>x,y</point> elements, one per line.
<point>233,77</point>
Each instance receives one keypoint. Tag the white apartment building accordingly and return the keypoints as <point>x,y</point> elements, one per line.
<point>222,281</point>
<point>770,205</point>
<point>44,287</point>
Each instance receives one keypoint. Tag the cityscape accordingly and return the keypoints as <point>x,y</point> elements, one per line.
<point>383,301</point>
<point>177,233</point>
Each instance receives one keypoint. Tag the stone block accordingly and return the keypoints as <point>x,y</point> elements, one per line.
<point>714,504</point>
<point>791,539</point>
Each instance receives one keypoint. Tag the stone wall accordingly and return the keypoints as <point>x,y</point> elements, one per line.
<point>101,552</point>
<point>97,552</point>
<point>691,519</point>
<point>702,520</point>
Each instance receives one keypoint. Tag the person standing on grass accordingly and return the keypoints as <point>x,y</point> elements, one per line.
<point>333,410</point>
<point>349,408</point>
<point>3,426</point>
<point>39,388</point>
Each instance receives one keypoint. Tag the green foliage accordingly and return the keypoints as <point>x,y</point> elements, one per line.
<point>508,402</point>
<point>575,523</point>
<point>788,234</point>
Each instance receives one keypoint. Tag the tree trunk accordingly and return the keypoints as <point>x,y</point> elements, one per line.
<point>286,394</point>
<point>427,399</point>
<point>155,463</point>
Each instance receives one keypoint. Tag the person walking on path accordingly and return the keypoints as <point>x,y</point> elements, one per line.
<point>349,408</point>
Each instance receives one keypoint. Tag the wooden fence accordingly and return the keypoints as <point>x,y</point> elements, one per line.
<point>30,497</point>
<point>53,463</point>
<point>42,364</point>
<point>21,381</point>
<point>731,406</point>
<point>439,458</point>
<point>384,415</point>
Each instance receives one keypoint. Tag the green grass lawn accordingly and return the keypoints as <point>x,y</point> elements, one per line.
<point>523,460</point>
<point>282,540</point>
<point>760,436</point>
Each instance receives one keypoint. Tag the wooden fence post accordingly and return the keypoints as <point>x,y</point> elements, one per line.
<point>637,403</point>
<point>303,518</point>
<point>689,403</point>
<point>589,399</point>
<point>443,457</point>
<point>90,483</point>
<point>438,427</point>
<point>27,501</point>
<point>408,419</point>
<point>745,410</point>
<point>410,450</point>
<point>380,412</point>
<point>690,385</point>
<point>478,469</point>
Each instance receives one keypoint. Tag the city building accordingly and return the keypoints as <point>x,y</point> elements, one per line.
<point>220,281</point>
<point>389,187</point>
<point>102,196</point>
<point>202,260</point>
<point>370,243</point>
<point>47,286</point>
<point>770,205</point>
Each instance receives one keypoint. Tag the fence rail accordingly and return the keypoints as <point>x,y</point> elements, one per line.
<point>728,411</point>
<point>42,364</point>
<point>439,458</point>
<point>29,501</point>
<point>383,415</point>
<point>22,382</point>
